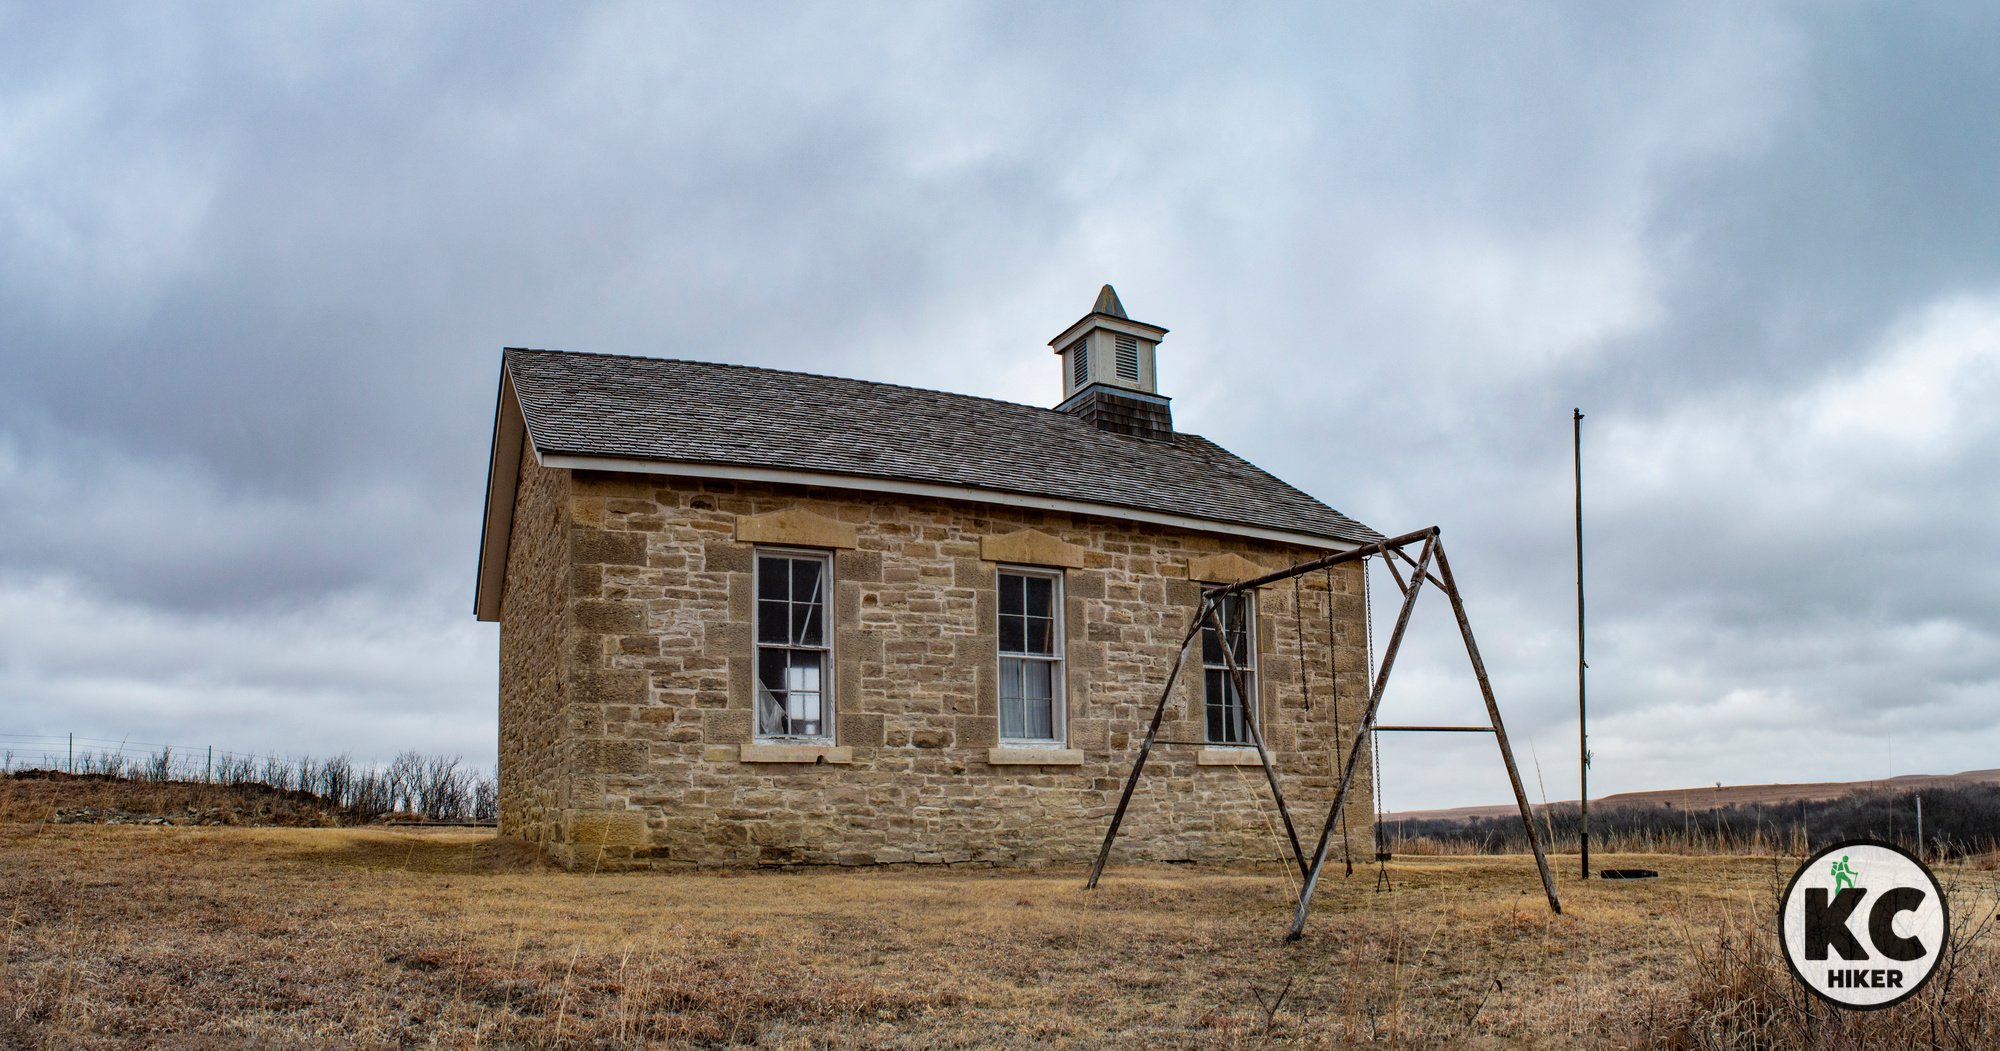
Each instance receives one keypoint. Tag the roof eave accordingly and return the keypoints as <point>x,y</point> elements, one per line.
<point>1111,322</point>
<point>935,490</point>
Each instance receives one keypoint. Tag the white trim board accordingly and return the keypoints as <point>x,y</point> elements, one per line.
<point>503,478</point>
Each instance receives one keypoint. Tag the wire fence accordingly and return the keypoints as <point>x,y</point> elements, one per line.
<point>434,787</point>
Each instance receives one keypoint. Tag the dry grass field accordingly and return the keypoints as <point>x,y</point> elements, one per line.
<point>120,936</point>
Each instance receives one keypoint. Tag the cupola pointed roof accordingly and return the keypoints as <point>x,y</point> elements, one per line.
<point>1107,303</point>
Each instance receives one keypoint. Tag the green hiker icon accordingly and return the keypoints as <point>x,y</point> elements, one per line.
<point>1843,874</point>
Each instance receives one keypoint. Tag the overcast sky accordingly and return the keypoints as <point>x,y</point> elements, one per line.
<point>257,263</point>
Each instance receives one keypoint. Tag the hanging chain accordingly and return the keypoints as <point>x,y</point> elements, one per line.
<point>1299,626</point>
<point>1339,731</point>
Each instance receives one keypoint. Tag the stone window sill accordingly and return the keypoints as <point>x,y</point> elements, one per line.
<point>794,753</point>
<point>1030,756</point>
<point>1227,756</point>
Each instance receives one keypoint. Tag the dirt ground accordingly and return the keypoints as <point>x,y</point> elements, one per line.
<point>121,936</point>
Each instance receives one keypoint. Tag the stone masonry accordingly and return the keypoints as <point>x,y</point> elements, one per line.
<point>627,684</point>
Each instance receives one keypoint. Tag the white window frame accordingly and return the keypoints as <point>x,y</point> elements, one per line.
<point>758,646</point>
<point>1248,668</point>
<point>1059,691</point>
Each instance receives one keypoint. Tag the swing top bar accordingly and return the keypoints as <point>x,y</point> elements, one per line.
<point>1379,547</point>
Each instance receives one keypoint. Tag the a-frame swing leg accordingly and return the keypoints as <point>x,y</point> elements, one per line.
<point>1354,752</point>
<point>1250,718</point>
<point>1146,747</point>
<point>1499,731</point>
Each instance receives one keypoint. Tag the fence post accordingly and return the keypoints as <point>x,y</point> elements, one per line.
<point>72,751</point>
<point>208,768</point>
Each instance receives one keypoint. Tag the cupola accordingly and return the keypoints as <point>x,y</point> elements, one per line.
<point>1108,371</point>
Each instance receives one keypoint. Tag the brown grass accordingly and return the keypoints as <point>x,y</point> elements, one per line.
<point>224,937</point>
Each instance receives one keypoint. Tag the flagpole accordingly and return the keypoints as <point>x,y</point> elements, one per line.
<point>1582,716</point>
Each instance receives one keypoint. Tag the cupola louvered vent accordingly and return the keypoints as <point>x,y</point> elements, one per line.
<point>1120,395</point>
<point>1128,358</point>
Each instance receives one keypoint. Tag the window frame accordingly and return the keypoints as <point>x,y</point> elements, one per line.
<point>1249,669</point>
<point>758,646</point>
<point>1059,659</point>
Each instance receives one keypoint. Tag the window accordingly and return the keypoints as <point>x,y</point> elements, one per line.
<point>1127,357</point>
<point>794,645</point>
<point>1079,362</point>
<point>1228,715</point>
<point>1031,656</point>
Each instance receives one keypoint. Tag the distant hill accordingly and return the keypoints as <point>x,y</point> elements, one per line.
<point>1709,797</point>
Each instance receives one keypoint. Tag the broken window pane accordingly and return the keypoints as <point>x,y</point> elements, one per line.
<point>1227,716</point>
<point>792,652</point>
<point>773,576</point>
<point>1041,635</point>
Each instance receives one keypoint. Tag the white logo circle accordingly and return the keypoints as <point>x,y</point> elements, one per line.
<point>1863,924</point>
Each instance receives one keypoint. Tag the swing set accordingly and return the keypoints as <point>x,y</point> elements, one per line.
<point>1429,567</point>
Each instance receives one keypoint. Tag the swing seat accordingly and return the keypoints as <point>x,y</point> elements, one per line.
<point>1382,856</point>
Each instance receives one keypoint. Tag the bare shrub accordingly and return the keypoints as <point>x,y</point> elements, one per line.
<point>405,781</point>
<point>485,800</point>
<point>444,794</point>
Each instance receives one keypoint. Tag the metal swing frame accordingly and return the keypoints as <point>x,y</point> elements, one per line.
<point>1429,567</point>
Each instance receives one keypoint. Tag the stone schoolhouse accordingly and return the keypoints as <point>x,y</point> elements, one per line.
<point>755,617</point>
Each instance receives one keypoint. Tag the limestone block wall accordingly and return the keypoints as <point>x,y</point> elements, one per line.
<point>657,757</point>
<point>534,627</point>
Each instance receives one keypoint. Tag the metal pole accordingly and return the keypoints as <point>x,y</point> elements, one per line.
<point>1339,734</point>
<point>1582,713</point>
